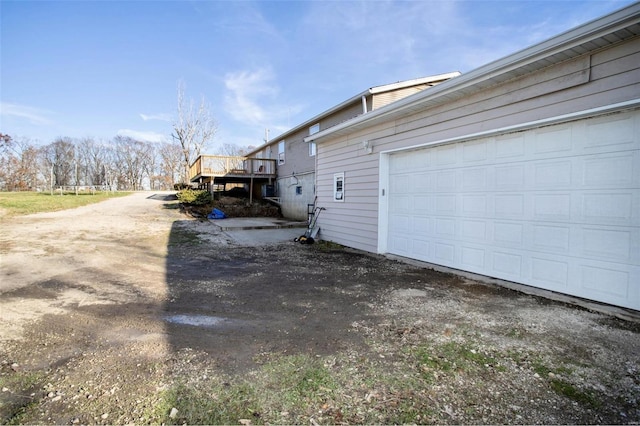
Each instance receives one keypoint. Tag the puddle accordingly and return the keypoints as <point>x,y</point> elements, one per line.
<point>200,320</point>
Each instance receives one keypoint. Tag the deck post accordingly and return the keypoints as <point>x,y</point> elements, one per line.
<point>251,191</point>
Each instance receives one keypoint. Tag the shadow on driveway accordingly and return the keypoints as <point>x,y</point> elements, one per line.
<point>239,303</point>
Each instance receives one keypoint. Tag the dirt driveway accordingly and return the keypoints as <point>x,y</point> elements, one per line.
<point>129,312</point>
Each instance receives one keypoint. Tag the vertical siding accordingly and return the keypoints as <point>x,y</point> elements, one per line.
<point>613,76</point>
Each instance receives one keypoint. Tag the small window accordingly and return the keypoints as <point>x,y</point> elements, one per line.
<point>338,187</point>
<point>281,152</point>
<point>298,190</point>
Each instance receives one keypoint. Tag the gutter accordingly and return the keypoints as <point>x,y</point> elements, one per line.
<point>594,29</point>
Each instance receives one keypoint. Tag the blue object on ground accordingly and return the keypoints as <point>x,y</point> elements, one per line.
<point>216,214</point>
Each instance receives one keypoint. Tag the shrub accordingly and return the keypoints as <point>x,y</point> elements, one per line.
<point>196,197</point>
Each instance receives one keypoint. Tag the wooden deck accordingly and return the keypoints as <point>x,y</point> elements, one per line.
<point>210,168</point>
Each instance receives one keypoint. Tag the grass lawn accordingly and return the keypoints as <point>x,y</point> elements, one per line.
<point>23,203</point>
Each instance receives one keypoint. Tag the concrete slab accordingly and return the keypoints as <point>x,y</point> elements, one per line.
<point>259,231</point>
<point>256,223</point>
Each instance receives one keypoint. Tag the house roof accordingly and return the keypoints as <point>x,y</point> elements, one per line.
<point>358,98</point>
<point>610,29</point>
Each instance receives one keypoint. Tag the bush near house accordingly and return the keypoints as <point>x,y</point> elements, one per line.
<point>199,203</point>
<point>194,196</point>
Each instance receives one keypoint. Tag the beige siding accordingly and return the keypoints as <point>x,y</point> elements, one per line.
<point>604,78</point>
<point>382,99</point>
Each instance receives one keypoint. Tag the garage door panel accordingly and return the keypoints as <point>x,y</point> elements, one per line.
<point>474,152</point>
<point>422,227</point>
<point>551,238</point>
<point>473,258</point>
<point>509,147</point>
<point>557,208</point>
<point>446,155</point>
<point>474,179</point>
<point>509,177</point>
<point>613,170</point>
<point>552,206</point>
<point>445,253</point>
<point>555,139</point>
<point>421,249</point>
<point>609,243</point>
<point>549,273</point>
<point>508,234</point>
<point>507,265</point>
<point>509,206</point>
<point>474,205</point>
<point>610,283</point>
<point>603,133</point>
<point>400,203</point>
<point>474,230</point>
<point>552,174</point>
<point>610,208</point>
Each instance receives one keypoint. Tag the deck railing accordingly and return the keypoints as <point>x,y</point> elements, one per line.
<point>223,165</point>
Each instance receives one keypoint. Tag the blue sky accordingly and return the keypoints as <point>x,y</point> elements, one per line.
<point>102,68</point>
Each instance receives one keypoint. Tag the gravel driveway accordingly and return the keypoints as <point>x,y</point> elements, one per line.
<point>109,308</point>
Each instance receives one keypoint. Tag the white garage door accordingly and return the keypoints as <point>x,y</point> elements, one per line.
<point>556,207</point>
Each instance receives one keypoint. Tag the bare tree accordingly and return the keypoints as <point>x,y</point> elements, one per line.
<point>234,150</point>
<point>133,157</point>
<point>193,128</point>
<point>93,157</point>
<point>60,156</point>
<point>170,164</point>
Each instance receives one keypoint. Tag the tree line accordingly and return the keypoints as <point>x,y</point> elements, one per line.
<point>122,163</point>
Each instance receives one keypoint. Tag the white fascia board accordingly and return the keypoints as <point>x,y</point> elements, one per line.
<point>591,30</point>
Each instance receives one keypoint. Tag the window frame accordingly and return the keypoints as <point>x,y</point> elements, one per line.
<point>281,152</point>
<point>338,187</point>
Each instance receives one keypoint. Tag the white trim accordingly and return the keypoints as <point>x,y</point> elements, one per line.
<point>574,116</point>
<point>383,203</point>
<point>414,82</point>
<point>384,159</point>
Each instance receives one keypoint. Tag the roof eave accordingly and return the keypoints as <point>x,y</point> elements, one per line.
<point>592,30</point>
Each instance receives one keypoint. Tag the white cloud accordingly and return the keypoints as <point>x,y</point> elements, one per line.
<point>160,117</point>
<point>251,96</point>
<point>153,137</point>
<point>34,115</point>
<point>245,91</point>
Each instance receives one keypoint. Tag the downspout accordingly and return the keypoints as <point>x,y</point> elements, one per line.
<point>364,104</point>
